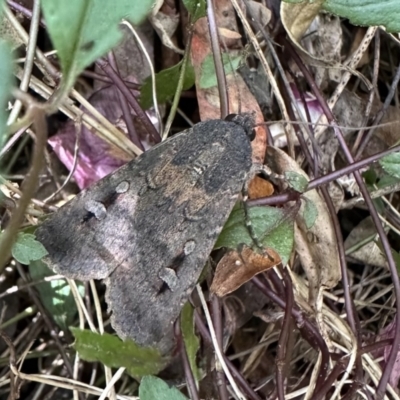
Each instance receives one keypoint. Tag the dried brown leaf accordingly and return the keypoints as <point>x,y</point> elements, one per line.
<point>316,247</point>
<point>239,266</point>
<point>259,188</point>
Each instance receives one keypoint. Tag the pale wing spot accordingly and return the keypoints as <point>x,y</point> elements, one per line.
<point>97,208</point>
<point>168,275</point>
<point>122,187</point>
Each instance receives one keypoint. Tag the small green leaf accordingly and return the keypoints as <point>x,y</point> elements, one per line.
<point>367,13</point>
<point>26,248</point>
<point>190,339</point>
<point>297,181</point>
<point>153,388</point>
<point>115,353</point>
<point>56,294</point>
<point>196,8</point>
<point>83,31</point>
<point>385,180</point>
<point>166,83</point>
<point>6,82</point>
<point>391,164</point>
<point>273,227</point>
<point>208,77</point>
<point>370,176</point>
<point>310,213</point>
<point>364,12</point>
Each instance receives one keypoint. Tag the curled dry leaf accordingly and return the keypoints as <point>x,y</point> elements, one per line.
<point>259,12</point>
<point>259,188</point>
<point>298,19</point>
<point>369,253</point>
<point>323,40</point>
<point>316,247</point>
<point>240,98</point>
<point>227,33</point>
<point>165,24</point>
<point>239,266</point>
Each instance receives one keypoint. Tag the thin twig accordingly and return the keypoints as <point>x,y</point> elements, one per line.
<point>218,352</point>
<point>125,107</point>
<point>153,75</point>
<point>28,187</point>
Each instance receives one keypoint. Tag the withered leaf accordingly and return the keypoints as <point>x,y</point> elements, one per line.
<point>259,187</point>
<point>239,266</point>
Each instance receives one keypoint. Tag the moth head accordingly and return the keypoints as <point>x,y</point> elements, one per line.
<point>246,121</point>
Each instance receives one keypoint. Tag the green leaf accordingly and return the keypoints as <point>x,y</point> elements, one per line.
<point>84,30</point>
<point>391,164</point>
<point>6,82</point>
<point>208,77</point>
<point>26,248</point>
<point>297,181</point>
<point>196,8</point>
<point>310,213</point>
<point>273,227</point>
<point>370,176</point>
<point>56,294</point>
<point>153,388</point>
<point>115,353</point>
<point>166,83</point>
<point>364,12</point>
<point>192,343</point>
<point>367,12</point>
<point>386,180</point>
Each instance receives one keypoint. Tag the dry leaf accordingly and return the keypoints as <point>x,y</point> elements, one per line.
<point>227,33</point>
<point>370,253</point>
<point>165,26</point>
<point>259,12</point>
<point>316,247</point>
<point>357,39</point>
<point>240,98</point>
<point>259,187</point>
<point>323,40</point>
<point>297,18</point>
<point>238,267</point>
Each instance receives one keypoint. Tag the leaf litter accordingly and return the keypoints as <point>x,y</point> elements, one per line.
<point>290,337</point>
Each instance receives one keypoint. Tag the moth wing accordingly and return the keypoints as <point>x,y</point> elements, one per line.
<point>177,226</point>
<point>83,246</point>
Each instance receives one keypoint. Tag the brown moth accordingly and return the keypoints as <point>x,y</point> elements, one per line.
<point>148,228</point>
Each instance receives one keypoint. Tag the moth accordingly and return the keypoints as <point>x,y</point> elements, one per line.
<point>148,228</point>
